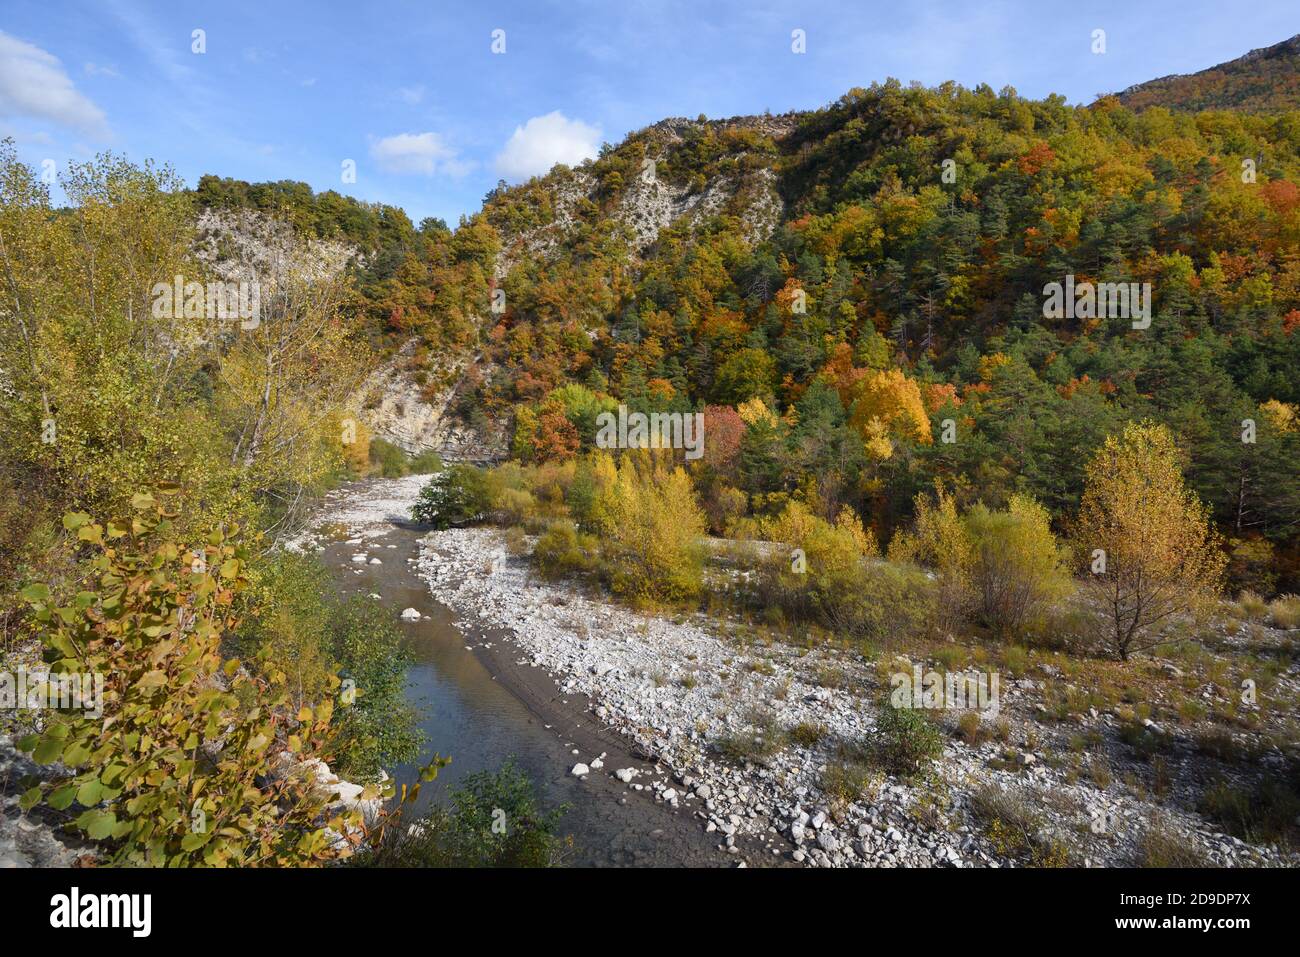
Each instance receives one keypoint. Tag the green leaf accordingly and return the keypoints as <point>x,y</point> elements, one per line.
<point>74,520</point>
<point>48,751</point>
<point>98,824</point>
<point>34,593</point>
<point>90,793</point>
<point>29,799</point>
<point>63,644</point>
<point>76,755</point>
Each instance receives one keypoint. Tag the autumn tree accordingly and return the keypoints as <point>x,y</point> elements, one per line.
<point>887,408</point>
<point>285,375</point>
<point>1018,568</point>
<point>1152,554</point>
<point>651,525</point>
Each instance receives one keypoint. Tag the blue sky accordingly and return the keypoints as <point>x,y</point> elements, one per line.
<point>432,118</point>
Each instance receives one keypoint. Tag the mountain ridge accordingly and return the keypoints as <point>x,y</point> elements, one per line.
<point>1263,80</point>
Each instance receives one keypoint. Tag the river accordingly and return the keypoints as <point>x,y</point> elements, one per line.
<point>471,714</point>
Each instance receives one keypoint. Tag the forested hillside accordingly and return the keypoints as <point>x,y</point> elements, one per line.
<point>874,268</point>
<point>1263,81</point>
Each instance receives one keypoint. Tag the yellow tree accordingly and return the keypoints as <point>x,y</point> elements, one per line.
<point>941,540</point>
<point>651,524</point>
<point>887,407</point>
<point>1151,551</point>
<point>101,392</point>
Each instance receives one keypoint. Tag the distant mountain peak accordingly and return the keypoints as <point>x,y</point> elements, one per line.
<point>1266,80</point>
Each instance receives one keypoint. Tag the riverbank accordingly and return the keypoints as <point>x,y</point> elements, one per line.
<point>680,707</point>
<point>482,707</point>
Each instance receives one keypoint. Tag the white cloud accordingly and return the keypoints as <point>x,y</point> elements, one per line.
<point>424,153</point>
<point>411,94</point>
<point>544,141</point>
<point>34,84</point>
<point>95,69</point>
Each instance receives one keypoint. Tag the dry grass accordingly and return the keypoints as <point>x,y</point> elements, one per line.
<point>1284,612</point>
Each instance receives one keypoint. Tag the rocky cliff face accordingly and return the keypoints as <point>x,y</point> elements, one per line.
<point>241,244</point>
<point>396,410</point>
<point>652,203</point>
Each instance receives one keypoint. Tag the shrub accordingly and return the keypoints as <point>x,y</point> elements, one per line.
<point>355,447</point>
<point>1015,828</point>
<point>807,734</point>
<point>375,727</point>
<point>1284,612</point>
<point>493,820</point>
<point>906,740</point>
<point>817,576</point>
<point>971,729</point>
<point>848,776</point>
<point>757,742</point>
<point>387,459</point>
<point>456,496</point>
<point>1017,570</point>
<point>1266,813</point>
<point>563,550</point>
<point>939,539</point>
<point>1252,607</point>
<point>1160,846</point>
<point>514,506</point>
<point>286,621</point>
<point>651,528</point>
<point>580,496</point>
<point>294,626</point>
<point>175,770</point>
<point>725,507</point>
<point>426,463</point>
<point>885,604</point>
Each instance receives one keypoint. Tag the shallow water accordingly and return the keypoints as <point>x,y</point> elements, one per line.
<point>480,723</point>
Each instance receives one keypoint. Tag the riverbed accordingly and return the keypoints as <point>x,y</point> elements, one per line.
<point>481,708</point>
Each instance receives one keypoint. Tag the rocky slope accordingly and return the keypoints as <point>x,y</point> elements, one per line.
<point>395,409</point>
